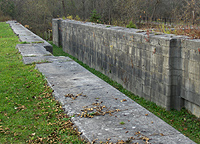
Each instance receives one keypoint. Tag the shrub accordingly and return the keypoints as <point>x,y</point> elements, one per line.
<point>63,17</point>
<point>77,18</point>
<point>5,18</point>
<point>95,17</point>
<point>70,17</point>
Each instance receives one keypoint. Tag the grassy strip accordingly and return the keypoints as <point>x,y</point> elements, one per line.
<point>182,120</point>
<point>28,111</point>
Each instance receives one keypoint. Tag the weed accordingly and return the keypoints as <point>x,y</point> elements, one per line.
<point>67,119</point>
<point>37,42</point>
<point>148,36</point>
<point>77,18</point>
<point>117,22</point>
<point>164,29</point>
<point>154,51</point>
<point>42,61</point>
<point>47,55</point>
<point>122,123</point>
<point>131,25</point>
<point>25,42</point>
<point>191,31</point>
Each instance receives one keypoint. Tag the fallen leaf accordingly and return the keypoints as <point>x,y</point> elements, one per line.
<point>185,129</point>
<point>145,139</point>
<point>123,100</point>
<point>117,110</point>
<point>162,134</point>
<point>7,132</point>
<point>80,133</point>
<point>40,139</point>
<point>6,128</point>
<point>94,141</point>
<point>137,133</point>
<point>79,94</point>
<point>120,142</point>
<point>1,129</point>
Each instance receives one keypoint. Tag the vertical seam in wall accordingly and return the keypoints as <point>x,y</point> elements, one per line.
<point>171,68</point>
<point>175,100</point>
<point>59,33</point>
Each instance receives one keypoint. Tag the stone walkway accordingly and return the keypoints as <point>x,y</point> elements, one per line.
<point>99,111</point>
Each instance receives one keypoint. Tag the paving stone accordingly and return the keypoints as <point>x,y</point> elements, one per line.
<point>26,35</point>
<point>32,50</point>
<point>44,59</point>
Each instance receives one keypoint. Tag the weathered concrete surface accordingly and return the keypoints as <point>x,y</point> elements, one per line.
<point>26,35</point>
<point>70,78</point>
<point>33,53</point>
<point>32,50</point>
<point>124,118</point>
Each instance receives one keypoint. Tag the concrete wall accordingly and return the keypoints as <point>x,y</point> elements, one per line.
<point>190,83</point>
<point>154,67</point>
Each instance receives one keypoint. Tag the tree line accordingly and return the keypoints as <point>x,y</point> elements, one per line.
<point>39,13</point>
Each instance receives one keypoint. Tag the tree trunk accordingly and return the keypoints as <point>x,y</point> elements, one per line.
<point>155,6</point>
<point>64,8</point>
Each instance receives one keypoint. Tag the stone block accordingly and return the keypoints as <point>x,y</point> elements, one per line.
<point>137,38</point>
<point>194,67</point>
<point>146,90</point>
<point>165,51</point>
<point>193,108</point>
<point>154,41</point>
<point>55,31</point>
<point>194,55</point>
<point>190,96</point>
<point>164,42</point>
<point>191,43</point>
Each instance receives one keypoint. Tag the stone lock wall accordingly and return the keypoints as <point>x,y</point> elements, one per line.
<point>155,67</point>
<point>190,82</point>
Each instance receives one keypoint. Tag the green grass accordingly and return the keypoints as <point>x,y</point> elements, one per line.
<point>28,111</point>
<point>182,120</point>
